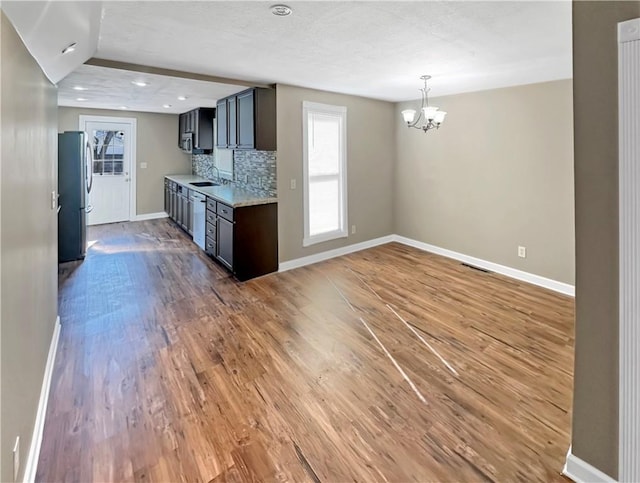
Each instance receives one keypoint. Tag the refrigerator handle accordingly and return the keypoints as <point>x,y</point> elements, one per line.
<point>89,168</point>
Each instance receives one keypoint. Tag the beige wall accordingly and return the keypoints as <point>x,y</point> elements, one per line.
<point>370,157</point>
<point>28,240</point>
<point>595,72</point>
<point>157,145</point>
<point>496,175</point>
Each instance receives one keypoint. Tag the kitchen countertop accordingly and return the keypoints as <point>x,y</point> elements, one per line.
<point>228,194</point>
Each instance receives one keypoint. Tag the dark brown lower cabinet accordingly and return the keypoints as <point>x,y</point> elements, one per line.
<point>178,205</point>
<point>243,239</point>
<point>167,196</point>
<point>225,242</point>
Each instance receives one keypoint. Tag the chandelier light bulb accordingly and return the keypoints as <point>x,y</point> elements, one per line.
<point>439,117</point>
<point>430,112</point>
<point>408,115</point>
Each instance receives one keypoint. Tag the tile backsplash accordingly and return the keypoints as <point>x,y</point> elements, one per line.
<point>254,171</point>
<point>203,165</point>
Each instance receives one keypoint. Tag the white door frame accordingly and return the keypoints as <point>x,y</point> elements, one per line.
<point>629,239</point>
<point>132,121</point>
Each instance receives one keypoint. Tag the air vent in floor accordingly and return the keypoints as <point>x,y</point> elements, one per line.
<point>476,268</point>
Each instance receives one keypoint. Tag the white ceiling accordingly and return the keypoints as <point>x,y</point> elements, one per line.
<point>112,89</point>
<point>47,27</point>
<point>372,49</point>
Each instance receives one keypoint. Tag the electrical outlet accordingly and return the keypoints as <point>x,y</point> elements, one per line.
<point>522,252</point>
<point>54,200</point>
<point>143,165</point>
<point>353,229</point>
<point>292,184</point>
<point>16,459</point>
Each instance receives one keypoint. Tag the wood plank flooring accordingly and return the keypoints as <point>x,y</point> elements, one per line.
<point>168,370</point>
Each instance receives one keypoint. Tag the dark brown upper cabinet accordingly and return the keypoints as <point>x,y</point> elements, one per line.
<point>199,124</point>
<point>232,123</point>
<point>247,120</point>
<point>222,121</point>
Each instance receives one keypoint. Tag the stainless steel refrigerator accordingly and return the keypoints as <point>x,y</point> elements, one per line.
<point>75,166</point>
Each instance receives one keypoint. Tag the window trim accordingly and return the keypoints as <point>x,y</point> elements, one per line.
<point>342,231</point>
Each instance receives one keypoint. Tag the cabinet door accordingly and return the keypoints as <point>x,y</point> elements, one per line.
<point>225,242</point>
<point>172,207</point>
<point>166,196</point>
<point>191,123</point>
<point>179,209</point>
<point>246,122</point>
<point>232,114</point>
<point>195,126</point>
<point>188,222</point>
<point>181,128</point>
<point>222,133</point>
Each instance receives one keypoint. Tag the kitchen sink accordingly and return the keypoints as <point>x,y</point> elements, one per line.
<point>202,184</point>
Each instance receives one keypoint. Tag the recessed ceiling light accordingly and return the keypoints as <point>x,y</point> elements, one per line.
<point>79,88</point>
<point>69,48</point>
<point>123,107</point>
<point>140,83</point>
<point>281,10</point>
<point>81,99</point>
<point>182,98</point>
<point>166,106</point>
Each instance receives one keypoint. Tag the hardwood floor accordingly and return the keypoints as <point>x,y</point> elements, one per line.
<point>169,370</point>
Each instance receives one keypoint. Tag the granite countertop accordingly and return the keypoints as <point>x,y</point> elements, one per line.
<point>228,194</point>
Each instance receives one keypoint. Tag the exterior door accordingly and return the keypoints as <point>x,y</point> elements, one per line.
<point>111,194</point>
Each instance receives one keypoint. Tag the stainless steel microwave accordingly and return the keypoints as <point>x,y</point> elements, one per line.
<point>186,143</point>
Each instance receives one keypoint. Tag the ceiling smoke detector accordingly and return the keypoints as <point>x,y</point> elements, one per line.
<point>281,10</point>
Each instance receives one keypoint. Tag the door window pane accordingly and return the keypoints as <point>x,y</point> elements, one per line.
<point>108,153</point>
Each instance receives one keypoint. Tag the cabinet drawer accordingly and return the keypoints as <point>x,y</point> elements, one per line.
<point>211,217</point>
<point>211,231</point>
<point>211,204</point>
<point>210,246</point>
<point>225,212</point>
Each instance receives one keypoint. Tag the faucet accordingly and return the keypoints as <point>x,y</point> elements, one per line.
<point>217,171</point>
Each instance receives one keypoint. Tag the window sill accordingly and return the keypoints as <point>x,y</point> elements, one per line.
<point>334,235</point>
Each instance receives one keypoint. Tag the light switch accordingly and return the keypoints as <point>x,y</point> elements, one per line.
<point>293,184</point>
<point>143,165</point>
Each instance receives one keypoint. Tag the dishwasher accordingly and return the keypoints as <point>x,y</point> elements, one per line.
<point>199,204</point>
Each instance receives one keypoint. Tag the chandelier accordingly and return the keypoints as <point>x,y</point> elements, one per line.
<point>430,116</point>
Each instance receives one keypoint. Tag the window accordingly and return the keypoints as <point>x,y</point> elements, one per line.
<point>325,172</point>
<point>108,152</point>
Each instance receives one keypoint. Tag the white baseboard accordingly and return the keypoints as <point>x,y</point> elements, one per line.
<point>36,439</point>
<point>582,472</point>
<point>561,287</point>
<point>150,216</point>
<point>319,257</point>
<point>554,285</point>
